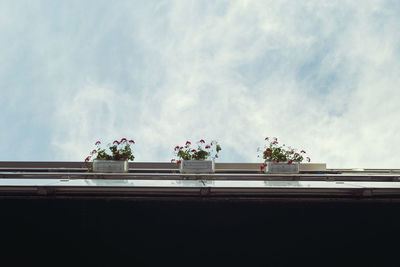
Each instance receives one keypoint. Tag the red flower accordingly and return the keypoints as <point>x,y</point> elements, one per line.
<point>188,143</point>
<point>116,142</point>
<point>202,141</point>
<point>207,147</point>
<point>172,160</point>
<point>277,161</point>
<point>266,138</point>
<point>290,162</point>
<point>302,151</point>
<point>263,166</point>
<point>123,140</point>
<point>87,159</point>
<point>176,148</point>
<point>308,159</point>
<point>131,141</point>
<point>268,149</point>
<point>194,150</point>
<point>181,148</point>
<point>178,162</point>
<point>97,143</point>
<point>94,151</point>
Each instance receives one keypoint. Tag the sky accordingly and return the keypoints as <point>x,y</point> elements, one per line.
<point>322,76</point>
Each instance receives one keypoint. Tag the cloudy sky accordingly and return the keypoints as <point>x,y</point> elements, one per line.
<point>322,76</point>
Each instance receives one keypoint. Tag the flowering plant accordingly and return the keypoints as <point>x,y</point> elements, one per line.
<point>120,150</point>
<point>202,152</point>
<point>274,153</point>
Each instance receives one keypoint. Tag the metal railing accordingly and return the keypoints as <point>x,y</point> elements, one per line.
<point>165,170</point>
<point>238,181</point>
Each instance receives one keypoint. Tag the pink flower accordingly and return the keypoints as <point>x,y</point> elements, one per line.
<point>308,159</point>
<point>97,143</point>
<point>187,143</point>
<point>115,141</point>
<point>176,148</point>
<point>275,139</point>
<point>207,147</point>
<point>181,148</point>
<point>94,151</point>
<point>302,151</point>
<point>87,159</point>
<point>131,141</point>
<point>202,141</point>
<point>172,160</point>
<point>179,162</point>
<point>123,140</point>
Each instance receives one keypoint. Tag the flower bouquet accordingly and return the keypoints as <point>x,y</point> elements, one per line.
<point>195,160</point>
<point>278,159</point>
<point>112,159</point>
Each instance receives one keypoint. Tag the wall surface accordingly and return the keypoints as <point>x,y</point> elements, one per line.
<point>100,232</point>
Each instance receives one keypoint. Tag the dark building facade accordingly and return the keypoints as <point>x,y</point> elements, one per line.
<point>58,214</point>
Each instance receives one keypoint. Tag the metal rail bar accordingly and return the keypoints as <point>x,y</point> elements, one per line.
<point>215,176</point>
<point>174,170</point>
<point>168,165</point>
<point>227,193</point>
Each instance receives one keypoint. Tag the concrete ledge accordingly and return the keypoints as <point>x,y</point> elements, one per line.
<point>150,165</point>
<point>314,167</point>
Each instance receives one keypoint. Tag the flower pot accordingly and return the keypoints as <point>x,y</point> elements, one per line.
<point>197,166</point>
<point>110,165</point>
<point>281,167</point>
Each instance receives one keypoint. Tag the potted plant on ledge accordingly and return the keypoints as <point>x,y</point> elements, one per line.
<point>280,159</point>
<point>200,160</point>
<point>113,159</point>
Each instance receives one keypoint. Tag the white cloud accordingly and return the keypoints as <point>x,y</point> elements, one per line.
<point>322,76</point>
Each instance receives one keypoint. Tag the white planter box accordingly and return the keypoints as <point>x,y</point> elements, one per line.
<point>197,166</point>
<point>110,165</point>
<point>281,167</point>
